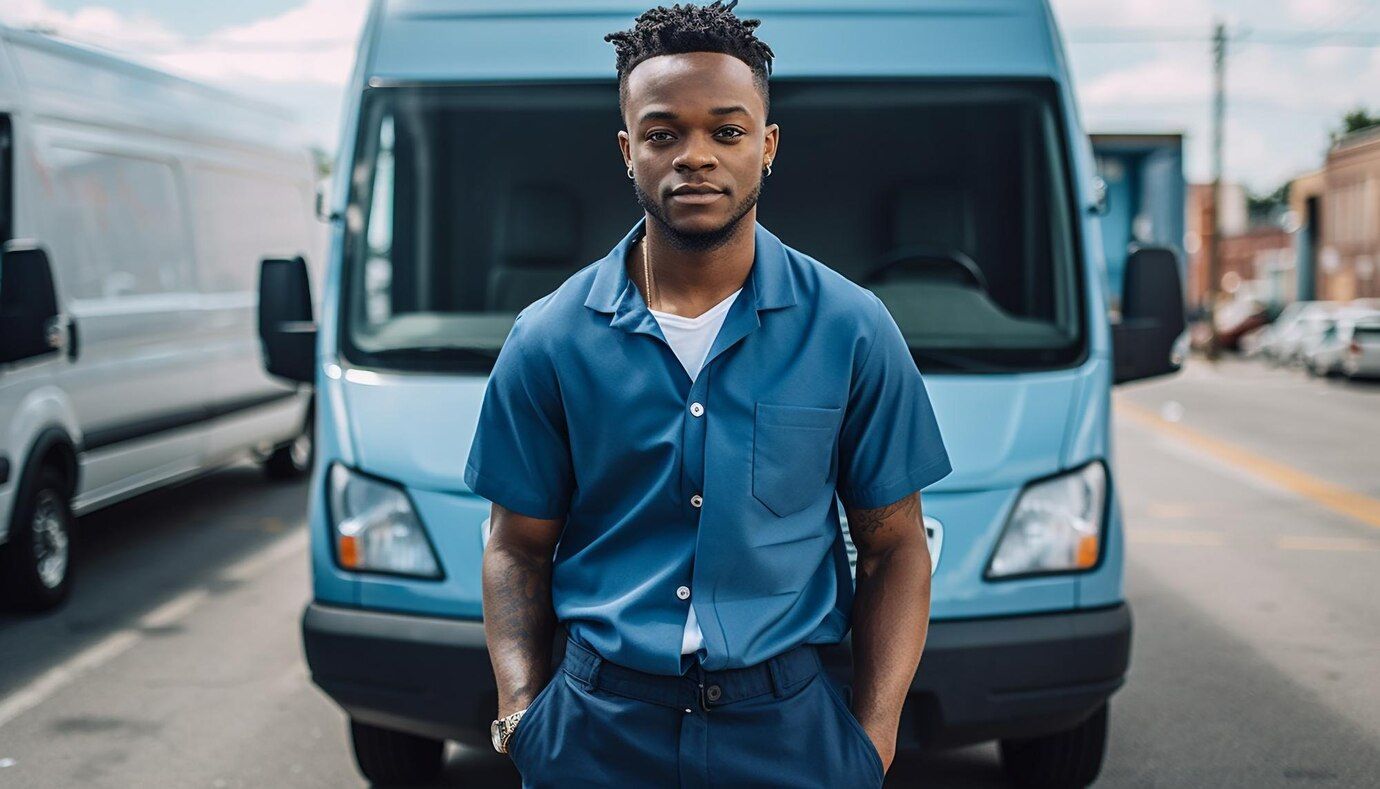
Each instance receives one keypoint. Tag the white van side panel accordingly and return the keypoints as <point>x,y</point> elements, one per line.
<point>118,238</point>
<point>156,261</point>
<point>222,195</point>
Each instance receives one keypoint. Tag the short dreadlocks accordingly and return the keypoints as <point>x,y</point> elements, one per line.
<point>690,28</point>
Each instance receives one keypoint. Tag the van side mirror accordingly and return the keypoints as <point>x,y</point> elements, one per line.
<point>286,327</point>
<point>1145,342</point>
<point>30,323</point>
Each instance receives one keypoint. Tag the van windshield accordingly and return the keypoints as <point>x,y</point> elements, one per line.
<point>951,202</point>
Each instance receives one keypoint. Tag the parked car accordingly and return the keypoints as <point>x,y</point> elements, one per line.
<point>1030,630</point>
<point>1325,356</point>
<point>135,207</point>
<point>1236,318</point>
<point>1362,358</point>
<point>1281,338</point>
<point>1251,344</point>
<point>1311,333</point>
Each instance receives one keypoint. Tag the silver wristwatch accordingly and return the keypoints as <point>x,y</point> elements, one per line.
<point>502,728</point>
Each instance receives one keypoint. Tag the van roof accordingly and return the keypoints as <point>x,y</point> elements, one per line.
<point>67,79</point>
<point>496,40</point>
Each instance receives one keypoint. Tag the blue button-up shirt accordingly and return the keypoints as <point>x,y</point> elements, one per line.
<point>724,485</point>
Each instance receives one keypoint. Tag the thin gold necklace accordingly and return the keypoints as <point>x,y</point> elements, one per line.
<point>647,270</point>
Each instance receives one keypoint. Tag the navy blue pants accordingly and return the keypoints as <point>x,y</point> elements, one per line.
<point>782,723</point>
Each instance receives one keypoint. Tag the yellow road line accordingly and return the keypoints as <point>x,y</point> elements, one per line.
<point>1321,492</point>
<point>1326,544</point>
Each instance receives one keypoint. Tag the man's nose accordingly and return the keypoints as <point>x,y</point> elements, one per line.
<point>697,155</point>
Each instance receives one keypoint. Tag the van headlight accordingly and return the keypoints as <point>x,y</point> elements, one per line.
<point>375,527</point>
<point>1056,526</point>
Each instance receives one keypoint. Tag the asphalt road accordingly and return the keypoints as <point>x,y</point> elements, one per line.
<point>1252,500</point>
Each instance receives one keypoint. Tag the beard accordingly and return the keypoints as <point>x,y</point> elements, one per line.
<point>697,241</point>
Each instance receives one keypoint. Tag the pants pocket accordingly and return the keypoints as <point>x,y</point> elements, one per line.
<point>870,749</point>
<point>532,717</point>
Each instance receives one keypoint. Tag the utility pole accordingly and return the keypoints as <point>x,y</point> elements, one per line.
<point>1214,260</point>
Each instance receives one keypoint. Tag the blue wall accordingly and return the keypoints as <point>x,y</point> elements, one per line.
<point>1146,196</point>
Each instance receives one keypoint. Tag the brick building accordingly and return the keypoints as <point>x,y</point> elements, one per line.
<point>1257,262</point>
<point>1339,221</point>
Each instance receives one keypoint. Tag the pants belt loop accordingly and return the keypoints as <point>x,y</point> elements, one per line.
<point>593,681</point>
<point>778,685</point>
<point>699,693</point>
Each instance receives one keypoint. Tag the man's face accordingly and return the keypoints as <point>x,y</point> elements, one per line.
<point>696,120</point>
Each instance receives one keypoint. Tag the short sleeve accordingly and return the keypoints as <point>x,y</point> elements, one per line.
<point>889,444</point>
<point>520,457</point>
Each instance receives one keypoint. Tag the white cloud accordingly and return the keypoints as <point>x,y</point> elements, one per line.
<point>312,43</point>
<point>1318,12</point>
<point>1153,13</point>
<point>300,58</point>
<point>1173,77</point>
<point>93,24</point>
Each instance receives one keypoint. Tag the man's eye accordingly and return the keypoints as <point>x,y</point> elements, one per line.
<point>653,135</point>
<point>737,132</point>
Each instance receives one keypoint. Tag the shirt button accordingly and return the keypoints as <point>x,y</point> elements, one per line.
<point>696,500</point>
<point>696,409</point>
<point>683,593</point>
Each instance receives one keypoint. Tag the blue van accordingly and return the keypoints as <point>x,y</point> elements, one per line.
<point>469,184</point>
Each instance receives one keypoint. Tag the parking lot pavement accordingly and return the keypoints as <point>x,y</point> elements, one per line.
<point>1251,575</point>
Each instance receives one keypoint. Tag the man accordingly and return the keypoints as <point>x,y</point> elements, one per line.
<point>662,439</point>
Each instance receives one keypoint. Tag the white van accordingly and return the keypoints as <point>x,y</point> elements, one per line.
<point>135,208</point>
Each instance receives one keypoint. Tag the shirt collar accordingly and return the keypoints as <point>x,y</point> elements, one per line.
<point>769,280</point>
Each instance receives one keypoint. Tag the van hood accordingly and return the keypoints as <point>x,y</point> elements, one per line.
<point>1000,431</point>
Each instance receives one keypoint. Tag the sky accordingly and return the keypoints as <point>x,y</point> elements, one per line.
<point>1139,65</point>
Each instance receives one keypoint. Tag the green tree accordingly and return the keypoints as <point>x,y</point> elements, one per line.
<point>1356,120</point>
<point>1268,208</point>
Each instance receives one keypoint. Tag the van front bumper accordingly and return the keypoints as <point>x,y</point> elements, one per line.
<point>423,675</point>
<point>1020,676</point>
<point>979,680</point>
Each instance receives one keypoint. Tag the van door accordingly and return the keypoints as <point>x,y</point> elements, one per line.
<point>117,233</point>
<point>240,217</point>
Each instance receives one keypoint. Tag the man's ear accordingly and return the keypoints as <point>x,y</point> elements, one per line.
<point>624,145</point>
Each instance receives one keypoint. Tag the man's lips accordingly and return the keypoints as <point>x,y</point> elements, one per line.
<point>696,194</point>
<point>696,198</point>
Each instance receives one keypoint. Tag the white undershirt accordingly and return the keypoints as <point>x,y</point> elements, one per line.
<point>690,339</point>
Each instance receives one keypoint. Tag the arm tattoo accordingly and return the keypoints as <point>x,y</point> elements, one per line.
<point>521,620</point>
<point>866,522</point>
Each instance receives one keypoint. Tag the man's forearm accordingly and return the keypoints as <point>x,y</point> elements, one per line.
<point>519,623</point>
<point>890,620</point>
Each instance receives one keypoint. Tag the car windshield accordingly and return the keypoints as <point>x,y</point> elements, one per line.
<point>951,202</point>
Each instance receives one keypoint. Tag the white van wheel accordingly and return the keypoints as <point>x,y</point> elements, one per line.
<point>293,459</point>
<point>1070,758</point>
<point>36,563</point>
<point>393,758</point>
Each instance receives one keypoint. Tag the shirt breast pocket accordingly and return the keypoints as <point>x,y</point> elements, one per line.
<point>792,451</point>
